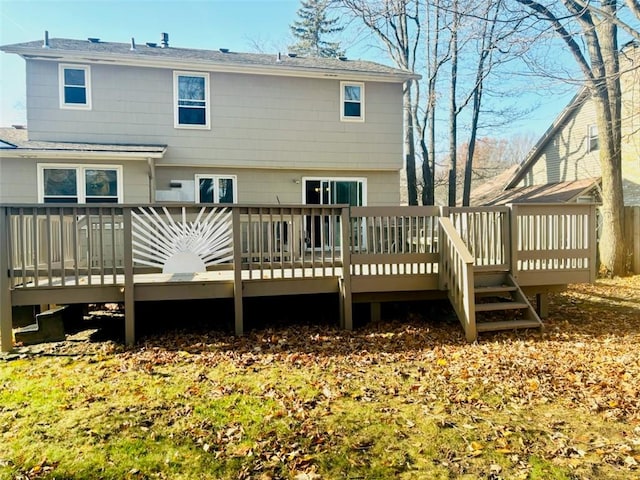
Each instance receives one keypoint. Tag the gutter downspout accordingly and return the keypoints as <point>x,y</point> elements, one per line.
<point>152,179</point>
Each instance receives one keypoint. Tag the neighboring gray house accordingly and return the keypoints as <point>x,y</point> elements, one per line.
<point>120,122</point>
<point>564,166</point>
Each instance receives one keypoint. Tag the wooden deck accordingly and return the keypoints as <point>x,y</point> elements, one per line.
<point>65,254</point>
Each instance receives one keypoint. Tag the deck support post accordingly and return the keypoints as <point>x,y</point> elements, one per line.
<point>346,310</point>
<point>376,312</point>
<point>513,240</point>
<point>542,304</point>
<point>237,272</point>
<point>6,322</point>
<point>129,297</point>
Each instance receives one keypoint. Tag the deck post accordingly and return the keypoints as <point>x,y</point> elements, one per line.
<point>6,322</point>
<point>513,239</point>
<point>376,312</point>
<point>346,310</point>
<point>129,297</point>
<point>237,271</point>
<point>442,279</point>
<point>593,244</point>
<point>542,304</point>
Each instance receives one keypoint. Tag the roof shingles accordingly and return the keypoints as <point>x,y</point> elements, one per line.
<point>123,51</point>
<point>15,138</point>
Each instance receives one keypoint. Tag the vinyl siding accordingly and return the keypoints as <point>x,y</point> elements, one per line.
<point>256,121</point>
<point>565,158</point>
<point>631,131</point>
<point>286,186</point>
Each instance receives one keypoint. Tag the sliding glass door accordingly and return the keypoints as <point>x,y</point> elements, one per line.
<point>321,230</point>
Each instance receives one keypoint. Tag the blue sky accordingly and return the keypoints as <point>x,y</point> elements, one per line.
<point>210,24</point>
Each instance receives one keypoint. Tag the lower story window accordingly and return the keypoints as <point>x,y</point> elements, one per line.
<point>216,189</point>
<point>79,184</point>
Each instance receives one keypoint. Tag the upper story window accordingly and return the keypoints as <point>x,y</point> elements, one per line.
<point>352,101</point>
<point>191,98</point>
<point>592,140</point>
<point>216,189</point>
<point>79,184</point>
<point>75,86</point>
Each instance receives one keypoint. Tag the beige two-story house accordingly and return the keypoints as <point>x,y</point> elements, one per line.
<point>564,165</point>
<point>145,123</point>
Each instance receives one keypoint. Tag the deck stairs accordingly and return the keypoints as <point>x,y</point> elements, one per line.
<point>500,303</point>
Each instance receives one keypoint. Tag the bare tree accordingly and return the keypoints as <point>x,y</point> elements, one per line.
<point>589,31</point>
<point>489,40</point>
<point>396,23</point>
<point>436,56</point>
<point>454,110</point>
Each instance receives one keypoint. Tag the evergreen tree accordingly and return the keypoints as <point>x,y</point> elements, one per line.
<point>312,27</point>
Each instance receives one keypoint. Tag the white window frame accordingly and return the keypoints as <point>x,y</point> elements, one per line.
<point>343,117</point>
<point>80,178</point>
<point>591,137</point>
<point>87,80</point>
<point>207,101</point>
<point>214,179</point>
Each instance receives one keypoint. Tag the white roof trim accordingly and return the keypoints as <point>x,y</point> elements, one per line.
<point>210,66</point>
<point>78,154</point>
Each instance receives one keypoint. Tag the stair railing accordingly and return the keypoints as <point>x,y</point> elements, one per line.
<point>456,276</point>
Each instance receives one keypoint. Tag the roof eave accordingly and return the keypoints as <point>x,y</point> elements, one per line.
<point>211,66</point>
<point>594,184</point>
<point>558,123</point>
<point>78,154</point>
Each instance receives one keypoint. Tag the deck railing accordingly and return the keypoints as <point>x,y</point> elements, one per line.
<point>485,231</point>
<point>56,245</point>
<point>394,240</point>
<point>277,240</point>
<point>556,241</point>
<point>457,276</point>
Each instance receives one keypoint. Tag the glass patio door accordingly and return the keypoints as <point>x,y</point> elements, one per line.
<point>323,231</point>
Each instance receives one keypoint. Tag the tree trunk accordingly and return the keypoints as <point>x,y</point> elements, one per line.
<point>453,111</point>
<point>607,99</point>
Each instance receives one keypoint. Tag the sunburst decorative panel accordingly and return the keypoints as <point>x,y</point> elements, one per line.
<point>182,242</point>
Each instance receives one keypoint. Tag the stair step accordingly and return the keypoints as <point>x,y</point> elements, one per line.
<point>507,325</point>
<point>490,307</point>
<point>494,289</point>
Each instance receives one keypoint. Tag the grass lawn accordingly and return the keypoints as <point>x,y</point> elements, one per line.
<point>405,398</point>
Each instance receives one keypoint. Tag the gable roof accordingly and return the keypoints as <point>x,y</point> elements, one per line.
<point>211,60</point>
<point>628,52</point>
<point>561,192</point>
<point>14,142</point>
<point>547,136</point>
<point>485,192</point>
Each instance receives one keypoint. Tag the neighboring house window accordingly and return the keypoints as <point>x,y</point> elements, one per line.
<point>216,189</point>
<point>79,184</point>
<point>352,101</point>
<point>75,86</point>
<point>191,92</point>
<point>592,141</point>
